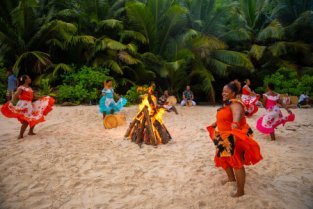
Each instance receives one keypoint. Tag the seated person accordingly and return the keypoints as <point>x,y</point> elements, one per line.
<point>303,100</point>
<point>162,102</point>
<point>187,96</point>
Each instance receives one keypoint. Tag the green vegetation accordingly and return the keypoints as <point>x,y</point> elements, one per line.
<point>286,81</point>
<point>69,47</point>
<point>82,85</point>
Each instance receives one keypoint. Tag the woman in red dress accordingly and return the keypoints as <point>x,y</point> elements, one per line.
<point>232,137</point>
<point>27,112</point>
<point>249,98</point>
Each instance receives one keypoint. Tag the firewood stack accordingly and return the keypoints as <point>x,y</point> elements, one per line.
<point>147,127</point>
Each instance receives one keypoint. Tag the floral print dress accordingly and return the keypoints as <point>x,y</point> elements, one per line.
<point>26,110</point>
<point>267,123</point>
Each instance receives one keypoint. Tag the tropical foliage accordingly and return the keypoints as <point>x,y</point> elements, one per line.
<point>64,45</point>
<point>286,81</point>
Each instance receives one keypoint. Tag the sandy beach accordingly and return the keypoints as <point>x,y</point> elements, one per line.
<point>73,162</point>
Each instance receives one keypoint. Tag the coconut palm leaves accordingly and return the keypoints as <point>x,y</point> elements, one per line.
<point>267,44</point>
<point>27,36</point>
<point>211,58</point>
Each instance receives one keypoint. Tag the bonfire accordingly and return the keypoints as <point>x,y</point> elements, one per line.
<point>148,127</point>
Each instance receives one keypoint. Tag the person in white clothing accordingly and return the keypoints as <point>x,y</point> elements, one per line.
<point>188,96</point>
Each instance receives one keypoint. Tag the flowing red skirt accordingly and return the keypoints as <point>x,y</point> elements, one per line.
<point>31,112</point>
<point>246,152</point>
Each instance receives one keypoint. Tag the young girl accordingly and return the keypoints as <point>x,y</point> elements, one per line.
<point>107,103</point>
<point>249,98</point>
<point>273,117</point>
<point>235,146</point>
<point>27,112</point>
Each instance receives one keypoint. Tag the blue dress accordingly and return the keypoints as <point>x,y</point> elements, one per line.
<point>107,103</point>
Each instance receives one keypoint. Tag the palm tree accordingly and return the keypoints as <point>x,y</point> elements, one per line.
<point>157,22</point>
<point>114,47</point>
<point>211,56</point>
<point>29,33</point>
<point>267,39</point>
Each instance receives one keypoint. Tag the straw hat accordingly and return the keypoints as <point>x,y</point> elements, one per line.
<point>171,100</point>
<point>110,121</point>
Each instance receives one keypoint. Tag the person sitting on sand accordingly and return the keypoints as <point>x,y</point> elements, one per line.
<point>107,104</point>
<point>235,146</point>
<point>303,100</point>
<point>163,102</point>
<point>29,113</point>
<point>188,97</point>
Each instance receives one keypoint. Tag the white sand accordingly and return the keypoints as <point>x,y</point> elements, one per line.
<point>73,162</point>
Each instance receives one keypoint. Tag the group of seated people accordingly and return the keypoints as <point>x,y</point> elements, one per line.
<point>166,100</point>
<point>188,100</point>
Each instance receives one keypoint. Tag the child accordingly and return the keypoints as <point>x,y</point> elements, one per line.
<point>107,103</point>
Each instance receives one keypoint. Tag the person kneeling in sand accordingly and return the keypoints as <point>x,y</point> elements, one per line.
<point>188,97</point>
<point>164,103</point>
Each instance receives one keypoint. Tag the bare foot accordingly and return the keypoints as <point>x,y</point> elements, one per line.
<point>226,181</point>
<point>238,194</point>
<point>20,137</point>
<point>31,133</point>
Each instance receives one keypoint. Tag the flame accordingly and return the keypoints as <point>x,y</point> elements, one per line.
<point>156,113</point>
<point>150,101</point>
<point>159,115</point>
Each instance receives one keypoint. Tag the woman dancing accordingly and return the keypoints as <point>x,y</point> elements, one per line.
<point>107,103</point>
<point>273,117</point>
<point>235,146</point>
<point>27,112</point>
<point>249,98</point>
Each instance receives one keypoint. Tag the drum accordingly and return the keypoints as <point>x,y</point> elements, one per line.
<point>171,101</point>
<point>112,121</point>
<point>189,103</point>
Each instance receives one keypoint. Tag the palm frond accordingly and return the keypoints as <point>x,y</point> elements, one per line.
<point>131,47</point>
<point>233,58</point>
<point>111,23</point>
<point>218,67</point>
<point>43,58</point>
<point>283,47</point>
<point>81,39</point>
<point>60,66</point>
<point>127,58</point>
<point>142,19</point>
<point>134,35</point>
<point>240,34</point>
<point>205,74</point>
<point>108,43</point>
<point>257,51</point>
<point>273,31</point>
<point>113,65</point>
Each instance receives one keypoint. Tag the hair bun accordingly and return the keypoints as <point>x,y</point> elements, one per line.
<point>237,84</point>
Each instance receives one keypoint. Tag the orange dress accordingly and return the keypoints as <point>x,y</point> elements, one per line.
<point>26,110</point>
<point>234,147</point>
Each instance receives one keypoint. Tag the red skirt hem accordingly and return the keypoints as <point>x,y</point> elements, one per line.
<point>20,117</point>
<point>246,152</point>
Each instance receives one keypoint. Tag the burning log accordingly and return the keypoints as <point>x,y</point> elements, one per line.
<point>147,127</point>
